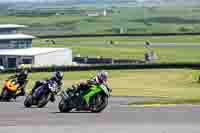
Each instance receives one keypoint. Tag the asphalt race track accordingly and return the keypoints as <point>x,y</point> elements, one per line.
<point>118,117</point>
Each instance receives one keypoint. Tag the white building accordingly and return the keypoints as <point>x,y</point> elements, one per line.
<point>16,49</point>
<point>96,14</point>
<point>36,56</point>
<point>93,14</point>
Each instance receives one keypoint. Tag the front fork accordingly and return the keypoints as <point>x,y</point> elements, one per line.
<point>90,94</point>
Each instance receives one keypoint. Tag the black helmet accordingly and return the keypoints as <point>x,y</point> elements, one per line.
<point>58,76</point>
<point>22,71</point>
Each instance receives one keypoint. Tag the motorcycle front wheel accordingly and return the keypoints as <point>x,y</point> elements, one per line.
<point>64,106</point>
<point>28,101</point>
<point>7,96</point>
<point>98,103</point>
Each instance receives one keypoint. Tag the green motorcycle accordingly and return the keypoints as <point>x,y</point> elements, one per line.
<point>95,99</point>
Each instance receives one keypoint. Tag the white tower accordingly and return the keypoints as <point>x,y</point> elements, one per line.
<point>104,13</point>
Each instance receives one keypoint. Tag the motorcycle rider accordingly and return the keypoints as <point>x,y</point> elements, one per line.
<point>100,78</point>
<point>57,76</point>
<point>21,76</point>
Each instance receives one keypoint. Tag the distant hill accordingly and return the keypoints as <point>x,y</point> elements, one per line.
<point>108,2</point>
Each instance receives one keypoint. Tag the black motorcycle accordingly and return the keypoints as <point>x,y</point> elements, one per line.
<point>41,96</point>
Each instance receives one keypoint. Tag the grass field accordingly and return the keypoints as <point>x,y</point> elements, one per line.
<point>119,19</point>
<point>165,54</point>
<point>163,39</point>
<point>170,83</point>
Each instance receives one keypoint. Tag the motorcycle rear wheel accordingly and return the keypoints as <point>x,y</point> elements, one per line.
<point>43,101</point>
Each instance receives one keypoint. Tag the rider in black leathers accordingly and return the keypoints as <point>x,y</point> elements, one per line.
<point>58,76</point>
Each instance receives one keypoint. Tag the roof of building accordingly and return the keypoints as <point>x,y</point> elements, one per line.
<point>15,36</point>
<point>12,26</point>
<point>30,51</point>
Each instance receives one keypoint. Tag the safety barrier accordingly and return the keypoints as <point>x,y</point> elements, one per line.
<point>111,67</point>
<point>116,35</point>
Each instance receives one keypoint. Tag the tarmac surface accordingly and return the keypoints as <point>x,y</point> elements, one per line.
<point>117,117</point>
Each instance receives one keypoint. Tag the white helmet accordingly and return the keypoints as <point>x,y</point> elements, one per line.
<point>102,76</point>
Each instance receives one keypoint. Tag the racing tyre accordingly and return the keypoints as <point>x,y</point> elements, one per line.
<point>28,101</point>
<point>43,101</point>
<point>63,106</point>
<point>98,103</point>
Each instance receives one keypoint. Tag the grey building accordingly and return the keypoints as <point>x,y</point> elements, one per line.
<point>16,49</point>
<point>10,28</point>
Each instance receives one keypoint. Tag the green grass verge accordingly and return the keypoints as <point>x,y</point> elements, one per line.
<point>166,102</point>
<point>170,83</point>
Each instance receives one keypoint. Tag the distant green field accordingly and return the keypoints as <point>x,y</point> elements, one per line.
<point>165,54</point>
<point>162,39</point>
<point>118,20</point>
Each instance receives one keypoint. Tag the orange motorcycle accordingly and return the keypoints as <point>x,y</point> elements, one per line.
<point>9,90</point>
